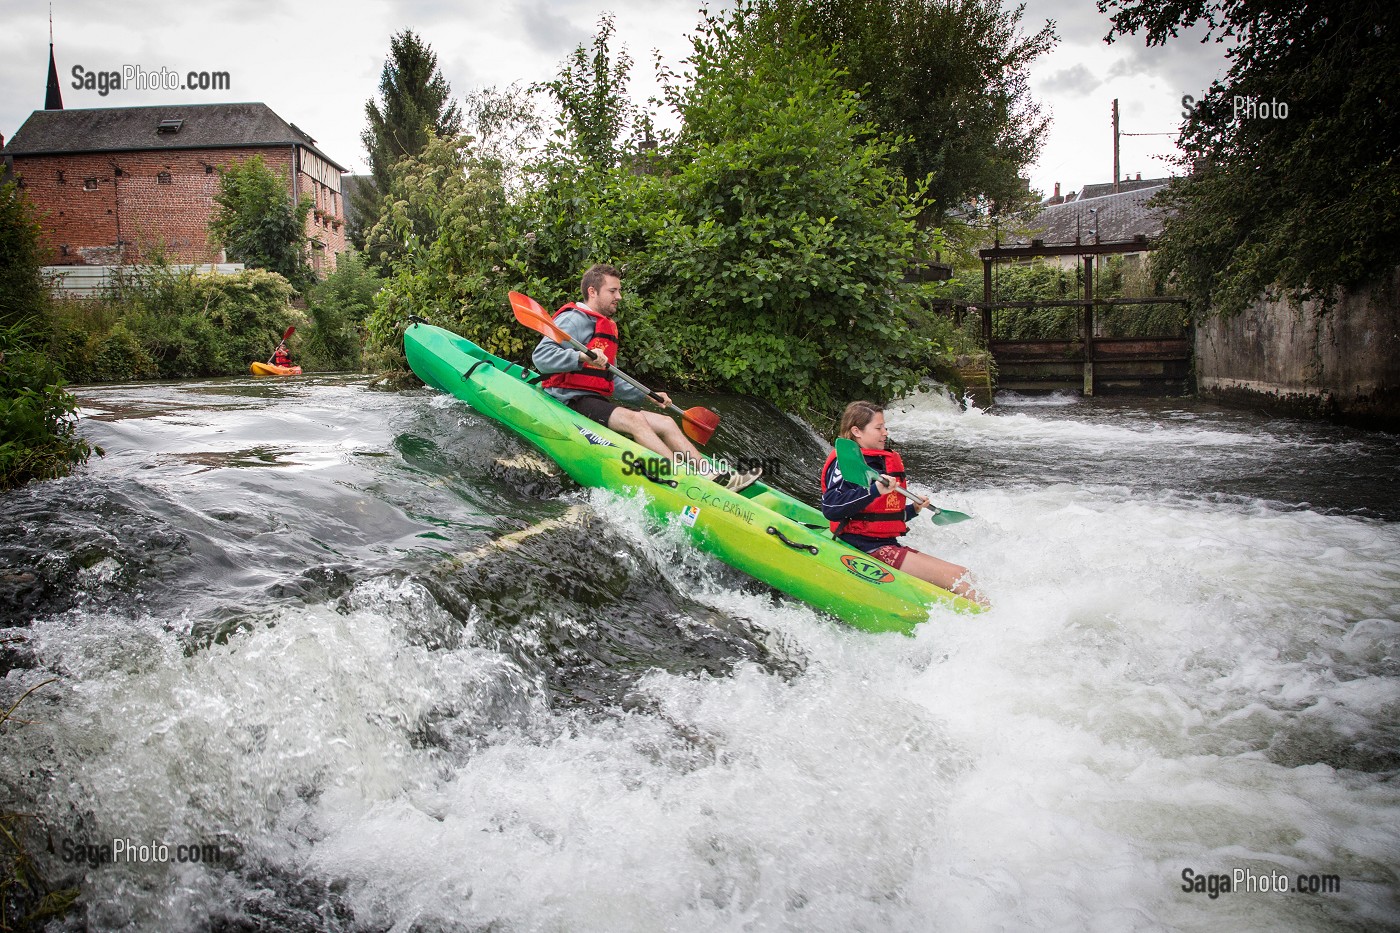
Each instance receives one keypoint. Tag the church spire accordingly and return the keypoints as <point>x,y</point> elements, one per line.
<point>53,100</point>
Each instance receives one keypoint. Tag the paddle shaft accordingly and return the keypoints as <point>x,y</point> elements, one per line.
<point>619,374</point>
<point>285,336</point>
<point>852,455</point>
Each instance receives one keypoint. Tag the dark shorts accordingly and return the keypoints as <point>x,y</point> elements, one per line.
<point>593,406</point>
<point>892,554</point>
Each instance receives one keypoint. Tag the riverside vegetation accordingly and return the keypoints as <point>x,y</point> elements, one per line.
<point>159,322</point>
<point>38,429</point>
<point>156,321</point>
<point>765,244</point>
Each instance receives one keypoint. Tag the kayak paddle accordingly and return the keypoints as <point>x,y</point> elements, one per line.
<point>286,335</point>
<point>699,423</point>
<point>852,464</point>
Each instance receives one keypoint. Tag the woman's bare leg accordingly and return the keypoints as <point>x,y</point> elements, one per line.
<point>942,573</point>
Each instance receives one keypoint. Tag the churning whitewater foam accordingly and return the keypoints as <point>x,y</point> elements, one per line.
<point>1165,683</point>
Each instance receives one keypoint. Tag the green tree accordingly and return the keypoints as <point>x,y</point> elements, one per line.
<point>949,76</point>
<point>782,231</point>
<point>22,292</point>
<point>764,245</point>
<point>339,307</point>
<point>414,106</point>
<point>257,222</point>
<point>448,224</point>
<point>1308,203</point>
<point>590,90</point>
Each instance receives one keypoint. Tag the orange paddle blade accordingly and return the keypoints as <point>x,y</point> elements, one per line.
<point>528,312</point>
<point>699,424</point>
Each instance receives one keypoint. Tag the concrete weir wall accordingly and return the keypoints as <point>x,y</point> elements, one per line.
<point>1343,364</point>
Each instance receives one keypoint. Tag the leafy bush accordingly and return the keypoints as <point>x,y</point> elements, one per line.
<point>22,294</point>
<point>38,421</point>
<point>338,308</point>
<point>164,323</point>
<point>119,356</point>
<point>764,247</point>
<point>38,429</point>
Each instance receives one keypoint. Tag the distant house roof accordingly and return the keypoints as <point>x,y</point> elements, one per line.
<point>1133,184</point>
<point>1102,218</point>
<point>174,126</point>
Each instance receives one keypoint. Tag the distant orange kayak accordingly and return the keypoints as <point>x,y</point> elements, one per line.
<point>267,369</point>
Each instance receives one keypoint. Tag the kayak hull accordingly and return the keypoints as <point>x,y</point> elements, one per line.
<point>267,369</point>
<point>759,530</point>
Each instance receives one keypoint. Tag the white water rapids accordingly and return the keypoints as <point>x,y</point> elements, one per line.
<point>1168,681</point>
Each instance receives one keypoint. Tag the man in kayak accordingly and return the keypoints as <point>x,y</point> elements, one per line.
<point>280,356</point>
<point>582,381</point>
<point>871,518</point>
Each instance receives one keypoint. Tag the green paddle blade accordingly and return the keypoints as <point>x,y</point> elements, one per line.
<point>851,462</point>
<point>947,516</point>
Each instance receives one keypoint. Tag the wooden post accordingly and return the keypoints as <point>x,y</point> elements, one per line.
<point>1086,325</point>
<point>987,304</point>
<point>1116,172</point>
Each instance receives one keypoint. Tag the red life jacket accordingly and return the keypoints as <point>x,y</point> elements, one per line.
<point>884,517</point>
<point>281,357</point>
<point>604,339</point>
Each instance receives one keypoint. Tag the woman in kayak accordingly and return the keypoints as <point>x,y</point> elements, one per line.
<point>871,518</point>
<point>583,382</point>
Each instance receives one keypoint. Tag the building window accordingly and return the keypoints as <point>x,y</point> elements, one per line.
<point>89,184</point>
<point>163,178</point>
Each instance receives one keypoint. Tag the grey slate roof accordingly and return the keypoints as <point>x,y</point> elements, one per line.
<point>1118,218</point>
<point>1127,184</point>
<point>133,129</point>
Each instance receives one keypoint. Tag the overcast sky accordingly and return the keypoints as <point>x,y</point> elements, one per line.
<point>316,65</point>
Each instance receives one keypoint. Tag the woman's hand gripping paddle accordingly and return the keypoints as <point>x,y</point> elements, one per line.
<point>285,337</point>
<point>699,423</point>
<point>853,466</point>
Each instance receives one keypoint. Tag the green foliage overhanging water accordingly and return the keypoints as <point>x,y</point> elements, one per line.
<point>764,245</point>
<point>38,431</point>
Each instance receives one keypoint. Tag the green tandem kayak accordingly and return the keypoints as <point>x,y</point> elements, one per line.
<point>760,530</point>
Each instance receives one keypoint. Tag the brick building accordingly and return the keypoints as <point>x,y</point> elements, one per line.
<point>112,185</point>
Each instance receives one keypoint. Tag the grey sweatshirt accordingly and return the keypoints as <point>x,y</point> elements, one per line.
<point>552,357</point>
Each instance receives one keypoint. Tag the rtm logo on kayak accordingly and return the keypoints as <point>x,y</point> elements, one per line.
<point>871,571</point>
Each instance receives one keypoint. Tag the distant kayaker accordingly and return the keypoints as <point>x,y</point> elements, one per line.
<point>280,356</point>
<point>873,517</point>
<point>582,381</point>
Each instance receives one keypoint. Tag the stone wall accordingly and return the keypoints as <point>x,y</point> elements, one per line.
<point>1343,364</point>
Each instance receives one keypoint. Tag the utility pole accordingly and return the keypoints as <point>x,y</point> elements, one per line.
<point>1115,146</point>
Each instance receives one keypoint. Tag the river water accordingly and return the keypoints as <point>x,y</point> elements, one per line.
<point>390,670</point>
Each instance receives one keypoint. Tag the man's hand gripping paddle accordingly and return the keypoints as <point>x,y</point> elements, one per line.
<point>698,423</point>
<point>853,467</point>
